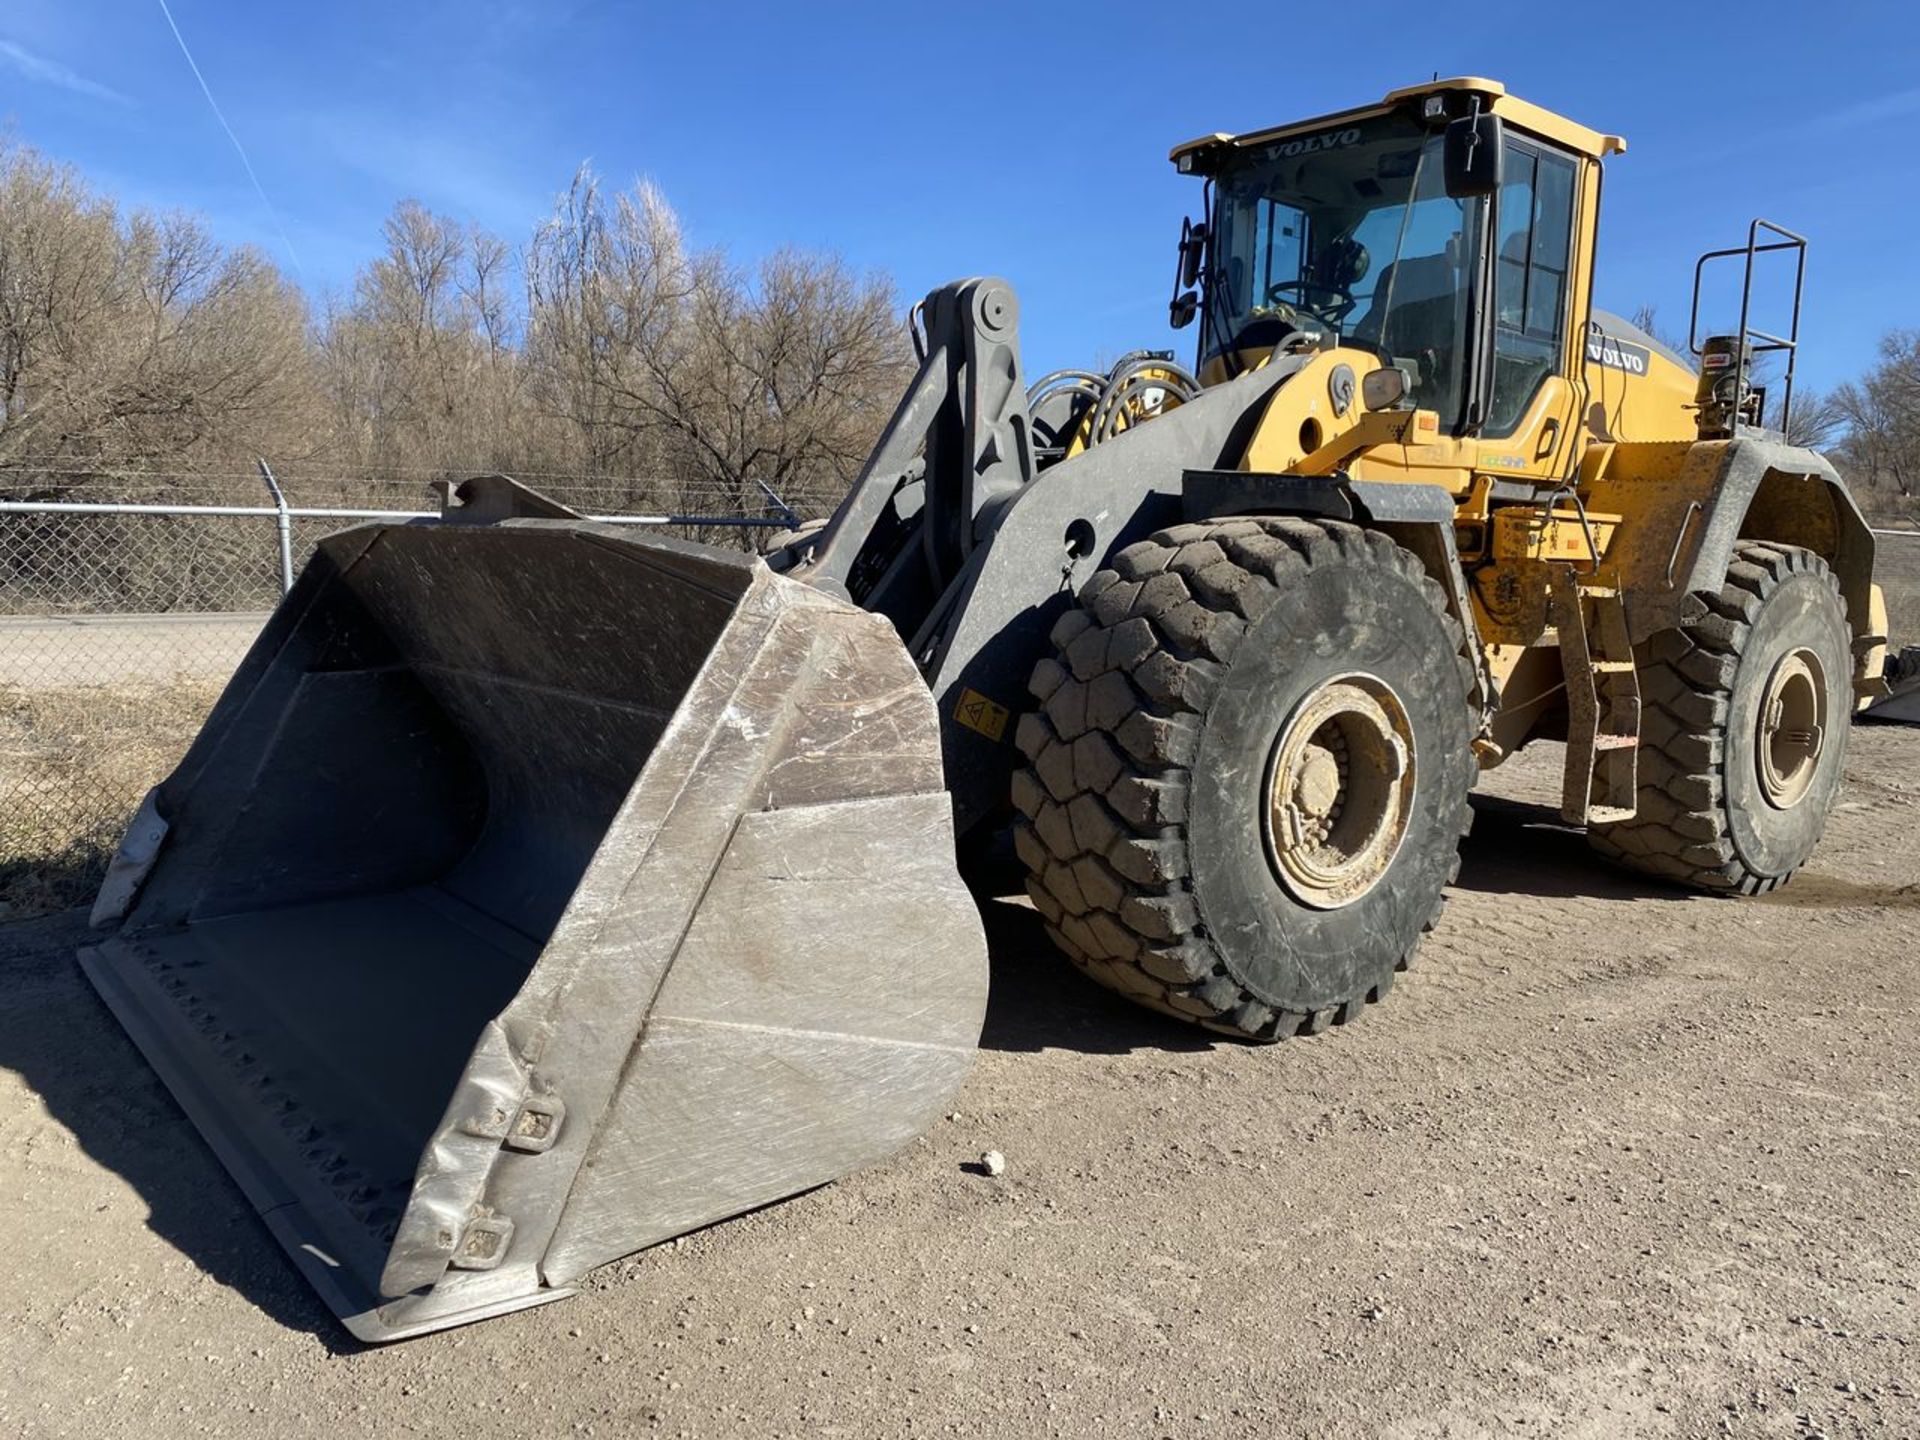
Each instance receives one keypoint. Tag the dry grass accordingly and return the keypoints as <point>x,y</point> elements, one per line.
<point>74,763</point>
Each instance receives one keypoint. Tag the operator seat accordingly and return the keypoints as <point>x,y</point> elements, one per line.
<point>1413,315</point>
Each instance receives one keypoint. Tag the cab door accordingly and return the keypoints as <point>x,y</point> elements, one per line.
<point>1531,400</point>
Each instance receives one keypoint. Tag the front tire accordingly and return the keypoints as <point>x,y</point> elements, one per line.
<point>1744,722</point>
<point>1248,778</point>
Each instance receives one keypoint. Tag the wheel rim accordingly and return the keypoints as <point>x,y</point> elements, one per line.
<point>1339,791</point>
<point>1792,731</point>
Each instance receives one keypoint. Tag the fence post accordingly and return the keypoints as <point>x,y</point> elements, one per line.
<point>284,522</point>
<point>786,510</point>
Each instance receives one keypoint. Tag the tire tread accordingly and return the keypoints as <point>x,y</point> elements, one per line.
<point>1682,831</point>
<point>1109,753</point>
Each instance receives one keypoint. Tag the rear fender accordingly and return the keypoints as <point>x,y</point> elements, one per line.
<point>1687,508</point>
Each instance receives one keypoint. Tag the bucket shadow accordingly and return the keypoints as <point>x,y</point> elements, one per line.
<point>63,1042</point>
<point>65,1045</point>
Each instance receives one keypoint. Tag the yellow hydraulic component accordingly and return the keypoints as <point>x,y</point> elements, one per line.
<point>1141,395</point>
<point>1522,532</point>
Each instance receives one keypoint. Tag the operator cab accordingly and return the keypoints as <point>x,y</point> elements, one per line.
<point>1363,230</point>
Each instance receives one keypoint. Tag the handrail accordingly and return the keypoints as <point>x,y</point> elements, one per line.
<point>1747,334</point>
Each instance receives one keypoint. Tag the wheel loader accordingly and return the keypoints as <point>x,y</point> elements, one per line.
<point>537,892</point>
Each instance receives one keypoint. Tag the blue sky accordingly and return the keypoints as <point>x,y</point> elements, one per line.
<point>935,141</point>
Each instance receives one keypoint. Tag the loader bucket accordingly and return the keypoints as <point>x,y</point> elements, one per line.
<point>536,893</point>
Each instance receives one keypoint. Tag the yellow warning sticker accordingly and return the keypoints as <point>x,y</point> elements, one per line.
<point>977,712</point>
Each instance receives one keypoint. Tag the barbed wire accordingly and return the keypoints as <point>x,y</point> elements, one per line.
<point>204,478</point>
<point>382,476</point>
<point>612,495</point>
<point>299,469</point>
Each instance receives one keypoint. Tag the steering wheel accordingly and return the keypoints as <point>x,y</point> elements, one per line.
<point>1303,293</point>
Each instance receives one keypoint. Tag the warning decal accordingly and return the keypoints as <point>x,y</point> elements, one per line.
<point>977,712</point>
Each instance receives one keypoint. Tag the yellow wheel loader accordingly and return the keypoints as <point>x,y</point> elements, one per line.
<point>537,892</point>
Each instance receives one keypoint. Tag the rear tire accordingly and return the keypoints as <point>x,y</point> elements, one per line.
<point>1733,795</point>
<point>1248,778</point>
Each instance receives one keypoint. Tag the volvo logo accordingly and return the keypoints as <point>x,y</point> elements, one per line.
<point>1617,354</point>
<point>1314,144</point>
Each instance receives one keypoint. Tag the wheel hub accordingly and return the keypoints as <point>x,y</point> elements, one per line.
<point>1792,729</point>
<point>1317,788</point>
<point>1339,791</point>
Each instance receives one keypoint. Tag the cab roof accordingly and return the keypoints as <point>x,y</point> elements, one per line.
<point>1524,116</point>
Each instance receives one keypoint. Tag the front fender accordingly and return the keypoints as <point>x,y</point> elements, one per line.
<point>1047,542</point>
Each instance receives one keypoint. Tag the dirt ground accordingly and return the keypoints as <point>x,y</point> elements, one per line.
<point>1612,1161</point>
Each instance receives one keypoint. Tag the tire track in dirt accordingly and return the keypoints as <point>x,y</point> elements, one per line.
<point>1611,1161</point>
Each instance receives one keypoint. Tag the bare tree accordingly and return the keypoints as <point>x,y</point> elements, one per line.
<point>596,296</point>
<point>732,380</point>
<point>1881,411</point>
<point>421,366</point>
<point>126,341</point>
<point>1647,318</point>
<point>485,290</point>
<point>608,346</point>
<point>1815,419</point>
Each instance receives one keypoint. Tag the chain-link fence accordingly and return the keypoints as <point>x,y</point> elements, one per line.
<point>1896,566</point>
<point>120,622</point>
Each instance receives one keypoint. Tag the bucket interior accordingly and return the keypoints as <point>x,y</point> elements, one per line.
<point>381,829</point>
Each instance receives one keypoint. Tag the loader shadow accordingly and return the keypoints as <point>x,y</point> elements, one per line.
<point>1521,848</point>
<point>1038,1001</point>
<point>58,1036</point>
<point>34,886</point>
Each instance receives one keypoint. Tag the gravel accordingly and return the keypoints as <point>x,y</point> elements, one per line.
<point>1577,1177</point>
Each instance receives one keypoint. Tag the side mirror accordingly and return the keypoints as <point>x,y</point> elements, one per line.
<point>1193,249</point>
<point>1475,155</point>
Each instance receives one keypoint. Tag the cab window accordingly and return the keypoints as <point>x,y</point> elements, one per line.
<point>1417,314</point>
<point>1531,260</point>
<point>1346,231</point>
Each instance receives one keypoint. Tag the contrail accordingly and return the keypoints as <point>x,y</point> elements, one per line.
<point>238,148</point>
